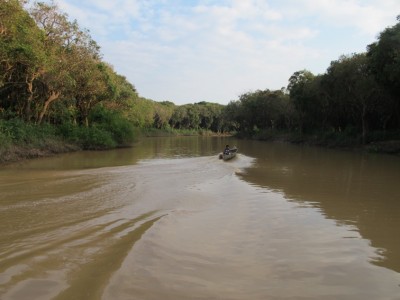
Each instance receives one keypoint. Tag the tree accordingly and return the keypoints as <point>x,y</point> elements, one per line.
<point>141,112</point>
<point>90,88</point>
<point>193,117</point>
<point>385,58</point>
<point>22,58</point>
<point>218,118</point>
<point>384,62</point>
<point>301,94</point>
<point>162,114</point>
<point>232,116</point>
<point>355,90</point>
<point>178,116</point>
<point>74,66</point>
<point>56,80</point>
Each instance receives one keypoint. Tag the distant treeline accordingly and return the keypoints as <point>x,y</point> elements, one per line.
<point>52,74</point>
<point>358,97</point>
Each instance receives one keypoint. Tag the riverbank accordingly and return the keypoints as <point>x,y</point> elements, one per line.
<point>39,141</point>
<point>385,145</point>
<point>20,140</point>
<point>15,153</point>
<point>42,142</point>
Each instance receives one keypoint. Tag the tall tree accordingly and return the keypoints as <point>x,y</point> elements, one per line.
<point>302,96</point>
<point>355,90</point>
<point>385,58</point>
<point>384,61</point>
<point>22,57</point>
<point>58,32</point>
<point>74,61</point>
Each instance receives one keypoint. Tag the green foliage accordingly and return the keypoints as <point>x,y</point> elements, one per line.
<point>89,138</point>
<point>93,138</point>
<point>141,112</point>
<point>384,64</point>
<point>108,129</point>
<point>202,115</point>
<point>69,132</point>
<point>51,72</point>
<point>385,58</point>
<point>113,122</point>
<point>21,132</point>
<point>5,136</point>
<point>162,114</point>
<point>258,110</point>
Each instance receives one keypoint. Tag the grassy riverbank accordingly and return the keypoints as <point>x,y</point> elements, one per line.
<point>20,140</point>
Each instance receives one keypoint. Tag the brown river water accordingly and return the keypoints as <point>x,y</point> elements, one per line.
<point>167,219</point>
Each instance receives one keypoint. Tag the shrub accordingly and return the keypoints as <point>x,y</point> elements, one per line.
<point>69,132</point>
<point>5,135</point>
<point>93,138</point>
<point>113,122</point>
<point>5,140</point>
<point>87,137</point>
<point>18,132</point>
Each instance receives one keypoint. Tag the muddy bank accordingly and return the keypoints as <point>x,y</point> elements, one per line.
<point>15,153</point>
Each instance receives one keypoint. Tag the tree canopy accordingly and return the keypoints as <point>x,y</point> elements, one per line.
<point>52,71</point>
<point>359,94</point>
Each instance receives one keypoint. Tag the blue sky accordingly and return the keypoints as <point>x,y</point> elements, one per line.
<point>216,50</point>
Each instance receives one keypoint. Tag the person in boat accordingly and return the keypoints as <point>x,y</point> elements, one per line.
<point>227,149</point>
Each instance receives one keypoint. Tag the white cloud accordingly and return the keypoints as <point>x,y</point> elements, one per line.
<point>367,16</point>
<point>214,50</point>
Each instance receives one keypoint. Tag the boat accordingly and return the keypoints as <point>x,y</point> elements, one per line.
<point>228,154</point>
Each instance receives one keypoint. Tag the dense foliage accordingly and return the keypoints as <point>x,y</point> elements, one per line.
<point>358,98</point>
<point>53,80</point>
<point>52,72</point>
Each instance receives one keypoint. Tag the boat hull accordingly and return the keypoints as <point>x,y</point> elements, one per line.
<point>230,155</point>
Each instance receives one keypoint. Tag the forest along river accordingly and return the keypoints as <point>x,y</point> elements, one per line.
<point>167,219</point>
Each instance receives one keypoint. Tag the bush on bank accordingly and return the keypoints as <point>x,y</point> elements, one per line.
<point>19,139</point>
<point>108,129</point>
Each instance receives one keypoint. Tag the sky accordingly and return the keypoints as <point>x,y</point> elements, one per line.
<point>187,51</point>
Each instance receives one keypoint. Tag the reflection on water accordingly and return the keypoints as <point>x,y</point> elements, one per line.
<point>168,220</point>
<point>351,188</point>
<point>147,148</point>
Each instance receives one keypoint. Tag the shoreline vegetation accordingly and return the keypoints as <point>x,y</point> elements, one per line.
<point>21,141</point>
<point>57,95</point>
<point>32,141</point>
<point>340,141</point>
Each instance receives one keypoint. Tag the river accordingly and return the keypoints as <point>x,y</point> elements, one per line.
<point>166,219</point>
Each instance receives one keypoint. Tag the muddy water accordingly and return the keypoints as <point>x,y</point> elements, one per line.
<point>168,220</point>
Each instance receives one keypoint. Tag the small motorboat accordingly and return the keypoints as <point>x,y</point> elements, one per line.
<point>228,153</point>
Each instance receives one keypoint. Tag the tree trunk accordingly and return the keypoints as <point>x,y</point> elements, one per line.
<point>29,83</point>
<point>53,96</point>
<point>30,78</point>
<point>364,124</point>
